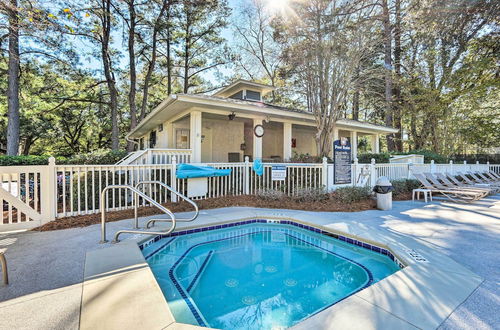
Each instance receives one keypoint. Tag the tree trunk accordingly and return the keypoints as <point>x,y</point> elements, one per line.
<point>397,86</point>
<point>152,62</point>
<point>133,75</point>
<point>13,82</point>
<point>28,142</point>
<point>388,72</point>
<point>186,65</point>
<point>108,73</point>
<point>169,58</point>
<point>355,97</point>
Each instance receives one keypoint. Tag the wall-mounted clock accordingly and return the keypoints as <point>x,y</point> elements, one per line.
<point>258,130</point>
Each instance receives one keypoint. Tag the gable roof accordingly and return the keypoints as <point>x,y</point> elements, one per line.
<point>177,103</point>
<point>241,84</point>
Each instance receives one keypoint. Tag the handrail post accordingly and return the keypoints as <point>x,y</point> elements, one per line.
<point>5,273</point>
<point>246,190</point>
<point>173,178</point>
<point>136,205</point>
<point>103,215</point>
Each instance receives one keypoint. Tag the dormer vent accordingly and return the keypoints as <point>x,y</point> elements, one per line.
<point>245,90</point>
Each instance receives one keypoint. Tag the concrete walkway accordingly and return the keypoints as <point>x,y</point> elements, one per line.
<point>46,269</point>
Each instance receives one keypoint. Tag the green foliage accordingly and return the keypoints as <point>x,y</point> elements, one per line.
<point>307,158</point>
<point>379,158</point>
<point>428,156</point>
<point>23,160</point>
<point>352,194</point>
<point>404,186</point>
<point>99,157</point>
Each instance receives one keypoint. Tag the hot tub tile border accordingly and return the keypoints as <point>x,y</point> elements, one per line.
<point>346,239</point>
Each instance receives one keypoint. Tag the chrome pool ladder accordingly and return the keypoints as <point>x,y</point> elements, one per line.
<point>151,222</point>
<point>136,194</point>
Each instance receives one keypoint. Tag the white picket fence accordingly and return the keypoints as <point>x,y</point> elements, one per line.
<point>33,195</point>
<point>156,156</point>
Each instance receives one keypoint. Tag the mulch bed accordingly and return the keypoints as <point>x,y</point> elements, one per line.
<point>329,205</point>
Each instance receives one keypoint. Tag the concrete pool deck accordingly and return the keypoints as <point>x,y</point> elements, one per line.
<point>46,269</point>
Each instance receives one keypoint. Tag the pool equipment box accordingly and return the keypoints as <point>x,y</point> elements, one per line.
<point>197,187</point>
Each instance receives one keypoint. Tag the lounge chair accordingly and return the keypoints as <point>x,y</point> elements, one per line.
<point>456,184</point>
<point>489,176</point>
<point>495,188</point>
<point>487,179</point>
<point>466,179</point>
<point>480,180</point>
<point>455,195</point>
<point>494,175</point>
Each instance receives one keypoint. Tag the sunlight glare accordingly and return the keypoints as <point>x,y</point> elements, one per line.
<point>277,7</point>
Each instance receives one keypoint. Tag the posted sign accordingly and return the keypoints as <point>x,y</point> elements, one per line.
<point>278,172</point>
<point>342,161</point>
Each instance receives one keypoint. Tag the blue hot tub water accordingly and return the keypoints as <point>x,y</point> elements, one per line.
<point>260,275</point>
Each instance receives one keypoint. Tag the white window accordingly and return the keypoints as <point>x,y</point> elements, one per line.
<point>182,138</point>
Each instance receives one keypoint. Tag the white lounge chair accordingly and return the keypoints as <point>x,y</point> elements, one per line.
<point>455,195</point>
<point>441,178</point>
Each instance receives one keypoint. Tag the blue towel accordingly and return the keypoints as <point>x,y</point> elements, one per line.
<point>186,171</point>
<point>258,167</point>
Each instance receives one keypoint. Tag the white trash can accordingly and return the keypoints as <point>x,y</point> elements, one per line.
<point>383,188</point>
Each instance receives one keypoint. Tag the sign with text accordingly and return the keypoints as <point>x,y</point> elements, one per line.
<point>278,173</point>
<point>342,161</point>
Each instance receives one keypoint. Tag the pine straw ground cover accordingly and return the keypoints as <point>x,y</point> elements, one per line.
<point>330,204</point>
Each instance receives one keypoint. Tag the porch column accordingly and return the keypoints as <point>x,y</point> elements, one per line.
<point>195,132</point>
<point>335,134</point>
<point>169,127</point>
<point>257,141</point>
<point>375,144</point>
<point>354,144</point>
<point>287,141</point>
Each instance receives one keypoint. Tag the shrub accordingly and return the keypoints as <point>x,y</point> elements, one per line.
<point>311,195</point>
<point>379,158</point>
<point>306,158</point>
<point>24,160</point>
<point>428,156</point>
<point>352,194</point>
<point>99,157</point>
<point>270,194</point>
<point>404,186</point>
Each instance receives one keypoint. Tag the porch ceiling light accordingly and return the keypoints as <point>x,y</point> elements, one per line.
<point>231,116</point>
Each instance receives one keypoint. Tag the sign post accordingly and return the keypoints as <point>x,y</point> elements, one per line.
<point>342,162</point>
<point>278,172</point>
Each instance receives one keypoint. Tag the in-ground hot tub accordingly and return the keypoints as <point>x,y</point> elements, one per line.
<point>261,274</point>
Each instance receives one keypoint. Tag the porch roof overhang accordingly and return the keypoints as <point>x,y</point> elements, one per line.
<point>179,104</point>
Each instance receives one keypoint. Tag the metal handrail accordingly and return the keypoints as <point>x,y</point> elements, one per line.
<point>152,221</point>
<point>5,275</point>
<point>137,193</point>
